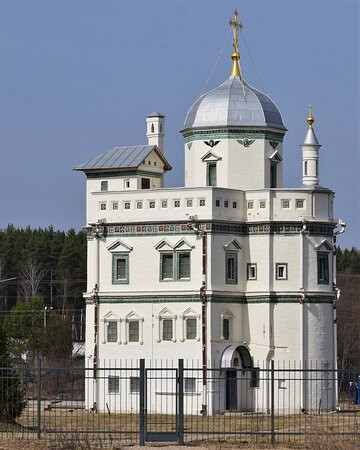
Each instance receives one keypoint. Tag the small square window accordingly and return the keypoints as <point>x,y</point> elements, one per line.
<point>262,204</point>
<point>127,184</point>
<point>127,205</point>
<point>250,204</point>
<point>113,385</point>
<point>164,203</point>
<point>134,385</point>
<point>104,185</point>
<point>217,203</point>
<point>102,206</point>
<point>167,326</point>
<point>234,205</point>
<point>299,203</point>
<point>226,203</point>
<point>251,271</point>
<point>152,204</point>
<point>189,203</point>
<point>281,271</point>
<point>285,204</point>
<point>115,205</point>
<point>177,203</point>
<point>139,205</point>
<point>202,202</point>
<point>189,385</point>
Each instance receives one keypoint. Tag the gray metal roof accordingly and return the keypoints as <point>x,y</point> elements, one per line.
<point>233,103</point>
<point>310,138</point>
<point>155,114</point>
<point>121,158</point>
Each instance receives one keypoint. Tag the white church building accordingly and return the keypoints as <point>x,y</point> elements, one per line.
<point>233,270</point>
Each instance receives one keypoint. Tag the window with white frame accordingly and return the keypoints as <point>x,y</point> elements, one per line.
<point>191,327</point>
<point>262,204</point>
<point>134,328</point>
<point>134,331</point>
<point>250,204</point>
<point>166,266</point>
<point>166,329</point>
<point>251,271</point>
<point>281,271</point>
<point>127,184</point>
<point>111,331</point>
<point>113,385</point>
<point>226,325</point>
<point>285,203</point>
<point>189,385</point>
<point>183,265</point>
<point>323,267</point>
<point>175,266</point>
<point>299,203</point>
<point>104,186</point>
<point>189,203</point>
<point>231,267</point>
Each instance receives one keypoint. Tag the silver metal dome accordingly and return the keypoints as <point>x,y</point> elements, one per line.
<point>233,103</point>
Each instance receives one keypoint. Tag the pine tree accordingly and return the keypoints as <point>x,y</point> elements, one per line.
<point>12,397</point>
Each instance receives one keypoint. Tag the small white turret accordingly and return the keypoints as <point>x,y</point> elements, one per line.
<point>155,130</point>
<point>310,154</point>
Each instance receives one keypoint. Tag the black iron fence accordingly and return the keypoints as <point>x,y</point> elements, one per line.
<point>313,406</point>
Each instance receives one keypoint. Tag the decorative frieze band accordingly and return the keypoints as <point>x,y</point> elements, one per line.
<point>210,227</point>
<point>232,134</point>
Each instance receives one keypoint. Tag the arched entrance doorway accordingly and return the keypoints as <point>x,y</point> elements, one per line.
<point>239,379</point>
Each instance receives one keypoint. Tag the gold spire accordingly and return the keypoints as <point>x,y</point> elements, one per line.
<point>235,71</point>
<point>310,119</point>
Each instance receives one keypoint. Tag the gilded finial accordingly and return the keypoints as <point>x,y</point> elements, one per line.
<point>235,71</point>
<point>310,119</point>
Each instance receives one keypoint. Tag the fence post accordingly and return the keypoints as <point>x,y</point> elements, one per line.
<point>38,396</point>
<point>142,403</point>
<point>272,406</point>
<point>181,402</point>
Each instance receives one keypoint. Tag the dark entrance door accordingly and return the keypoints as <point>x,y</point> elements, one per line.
<point>145,183</point>
<point>231,390</point>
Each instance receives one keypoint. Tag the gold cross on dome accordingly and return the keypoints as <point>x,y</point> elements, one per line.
<point>236,26</point>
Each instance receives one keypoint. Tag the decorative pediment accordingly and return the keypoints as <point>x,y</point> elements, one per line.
<point>324,245</point>
<point>190,312</point>
<point>111,316</point>
<point>183,245</point>
<point>164,245</point>
<point>166,312</point>
<point>210,156</point>
<point>227,314</point>
<point>119,246</point>
<point>275,157</point>
<point>133,316</point>
<point>233,245</point>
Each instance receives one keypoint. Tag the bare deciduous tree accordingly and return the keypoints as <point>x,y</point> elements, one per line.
<point>31,276</point>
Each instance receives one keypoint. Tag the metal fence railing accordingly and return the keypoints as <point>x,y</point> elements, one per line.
<point>312,406</point>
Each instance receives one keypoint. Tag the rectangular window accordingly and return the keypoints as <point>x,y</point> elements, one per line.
<point>273,175</point>
<point>211,174</point>
<point>120,268</point>
<point>167,326</point>
<point>251,271</point>
<point>226,329</point>
<point>217,203</point>
<point>202,202</point>
<point>115,205</point>
<point>323,268</point>
<point>183,266</point>
<point>281,271</point>
<point>189,203</point>
<point>127,205</point>
<point>134,331</point>
<point>104,185</point>
<point>285,204</point>
<point>138,205</point>
<point>299,203</point>
<point>113,385</point>
<point>189,385</point>
<point>234,204</point>
<point>102,206</point>
<point>255,378</point>
<point>250,204</point>
<point>262,204</point>
<point>134,385</point>
<point>167,266</point>
<point>111,331</point>
<point>226,203</point>
<point>191,325</point>
<point>177,204</point>
<point>164,203</point>
<point>152,204</point>
<point>231,268</point>
<point>127,184</point>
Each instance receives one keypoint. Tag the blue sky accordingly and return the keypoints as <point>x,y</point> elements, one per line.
<point>79,77</point>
